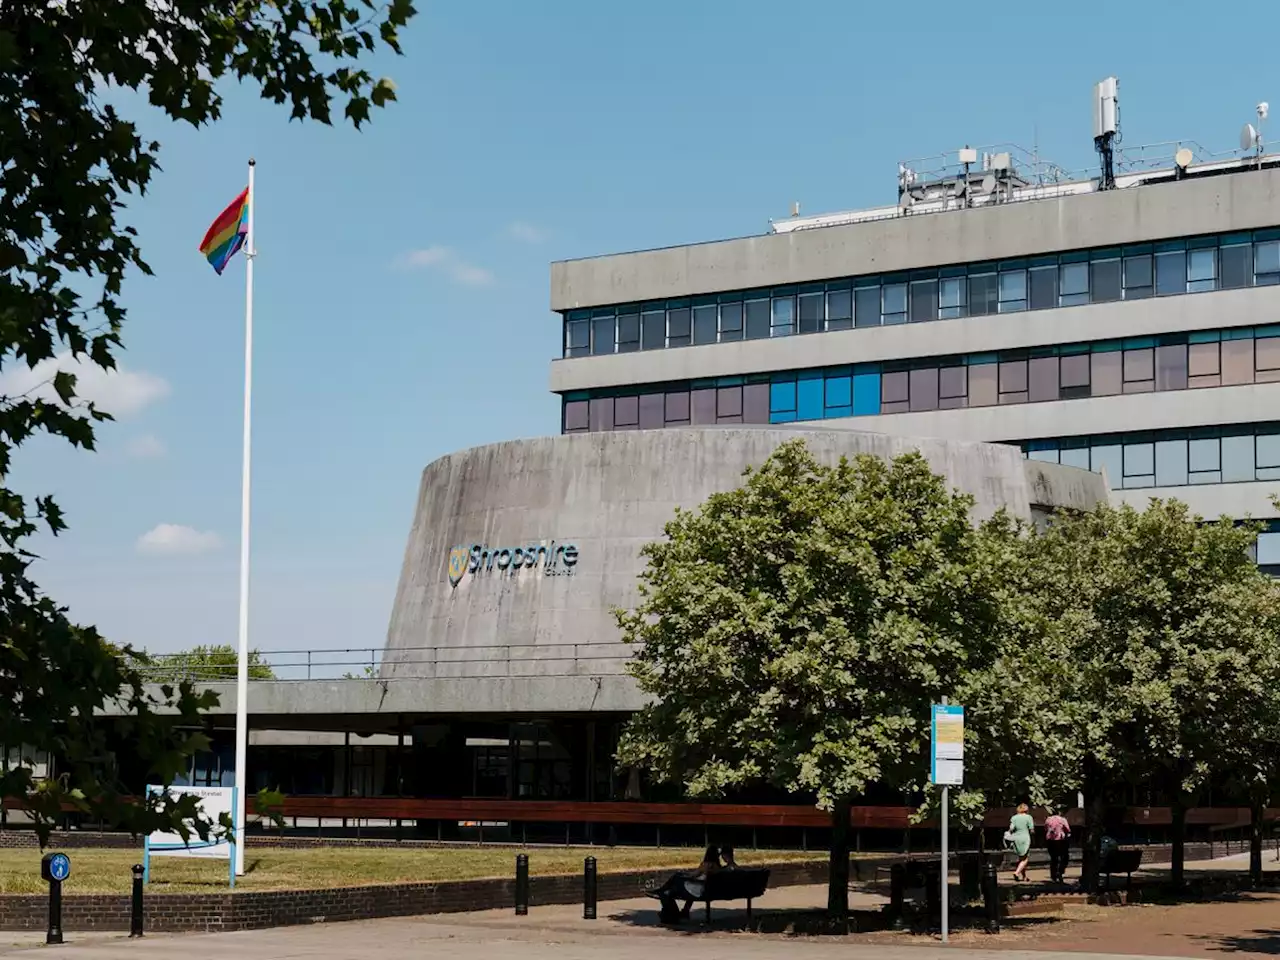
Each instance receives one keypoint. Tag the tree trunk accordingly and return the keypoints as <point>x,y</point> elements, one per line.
<point>1095,811</point>
<point>1257,810</point>
<point>838,883</point>
<point>1178,856</point>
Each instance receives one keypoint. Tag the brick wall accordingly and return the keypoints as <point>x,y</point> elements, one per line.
<point>177,912</point>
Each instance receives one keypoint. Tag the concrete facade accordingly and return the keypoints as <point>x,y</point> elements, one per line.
<point>527,640</point>
<point>1227,204</point>
<point>1242,201</point>
<point>1007,331</point>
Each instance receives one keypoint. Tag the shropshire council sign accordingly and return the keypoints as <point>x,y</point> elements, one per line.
<point>546,559</point>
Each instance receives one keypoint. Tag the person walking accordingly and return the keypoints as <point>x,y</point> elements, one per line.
<point>1057,837</point>
<point>1018,838</point>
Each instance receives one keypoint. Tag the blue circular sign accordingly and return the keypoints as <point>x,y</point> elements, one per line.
<point>59,866</point>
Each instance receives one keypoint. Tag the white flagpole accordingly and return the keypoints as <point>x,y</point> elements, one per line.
<point>242,671</point>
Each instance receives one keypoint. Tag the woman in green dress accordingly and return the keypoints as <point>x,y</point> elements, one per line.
<point>1018,836</point>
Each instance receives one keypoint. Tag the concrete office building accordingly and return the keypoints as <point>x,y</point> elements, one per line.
<point>1132,329</point>
<point>1028,331</point>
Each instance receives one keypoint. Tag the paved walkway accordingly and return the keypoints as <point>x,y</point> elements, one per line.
<point>628,930</point>
<point>416,939</point>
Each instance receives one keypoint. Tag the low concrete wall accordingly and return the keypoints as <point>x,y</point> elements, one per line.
<point>213,912</point>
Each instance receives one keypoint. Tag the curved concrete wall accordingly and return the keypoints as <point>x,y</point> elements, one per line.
<point>605,495</point>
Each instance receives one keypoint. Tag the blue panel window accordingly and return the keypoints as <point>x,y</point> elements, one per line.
<point>866,393</point>
<point>809,405</point>
<point>782,396</point>
<point>840,391</point>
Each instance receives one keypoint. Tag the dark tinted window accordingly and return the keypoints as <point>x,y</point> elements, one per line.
<point>1104,280</point>
<point>984,294</point>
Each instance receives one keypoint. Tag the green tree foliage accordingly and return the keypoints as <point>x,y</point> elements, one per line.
<point>795,631</point>
<point>1133,642</point>
<point>204,664</point>
<point>68,161</point>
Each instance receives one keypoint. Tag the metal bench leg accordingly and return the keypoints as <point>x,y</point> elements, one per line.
<point>748,913</point>
<point>708,911</point>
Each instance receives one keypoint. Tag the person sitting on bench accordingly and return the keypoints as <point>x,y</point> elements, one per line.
<point>686,887</point>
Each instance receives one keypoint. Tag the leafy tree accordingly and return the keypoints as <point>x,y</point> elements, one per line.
<point>201,664</point>
<point>1133,641</point>
<point>68,160</point>
<point>796,630</point>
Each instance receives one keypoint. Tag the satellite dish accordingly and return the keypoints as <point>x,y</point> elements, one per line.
<point>960,189</point>
<point>988,184</point>
<point>1183,158</point>
<point>905,202</point>
<point>1248,137</point>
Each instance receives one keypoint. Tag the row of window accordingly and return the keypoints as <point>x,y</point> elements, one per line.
<point>1170,458</point>
<point>1069,279</point>
<point>1212,358</point>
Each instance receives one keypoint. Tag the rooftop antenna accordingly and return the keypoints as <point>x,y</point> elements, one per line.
<point>968,157</point>
<point>795,209</point>
<point>1106,124</point>
<point>1263,109</point>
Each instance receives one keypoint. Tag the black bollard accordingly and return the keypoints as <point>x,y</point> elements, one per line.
<point>54,868</point>
<point>135,916</point>
<point>933,892</point>
<point>54,935</point>
<point>897,893</point>
<point>589,888</point>
<point>522,885</point>
<point>991,897</point>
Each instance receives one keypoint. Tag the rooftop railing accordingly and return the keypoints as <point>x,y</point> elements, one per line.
<point>404,663</point>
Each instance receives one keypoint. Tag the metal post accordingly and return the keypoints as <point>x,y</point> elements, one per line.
<point>522,885</point>
<point>135,917</point>
<point>589,888</point>
<point>54,934</point>
<point>945,865</point>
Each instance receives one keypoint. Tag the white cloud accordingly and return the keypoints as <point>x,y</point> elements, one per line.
<point>146,446</point>
<point>446,261</point>
<point>527,232</point>
<point>120,392</point>
<point>170,539</point>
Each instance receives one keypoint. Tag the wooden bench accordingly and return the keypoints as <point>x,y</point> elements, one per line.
<point>741,883</point>
<point>1121,861</point>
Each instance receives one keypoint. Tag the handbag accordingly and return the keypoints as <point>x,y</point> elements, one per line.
<point>1009,838</point>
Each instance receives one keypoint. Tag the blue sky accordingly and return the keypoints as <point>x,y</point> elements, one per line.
<point>402,285</point>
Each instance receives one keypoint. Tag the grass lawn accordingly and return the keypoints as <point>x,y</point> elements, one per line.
<point>278,868</point>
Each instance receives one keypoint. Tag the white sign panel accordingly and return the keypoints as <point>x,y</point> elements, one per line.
<point>212,803</point>
<point>948,746</point>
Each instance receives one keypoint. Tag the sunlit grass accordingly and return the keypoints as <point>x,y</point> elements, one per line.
<point>280,868</point>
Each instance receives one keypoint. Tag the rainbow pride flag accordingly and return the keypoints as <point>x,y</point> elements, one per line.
<point>227,234</point>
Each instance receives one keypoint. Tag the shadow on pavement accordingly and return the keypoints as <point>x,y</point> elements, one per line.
<point>1258,942</point>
